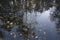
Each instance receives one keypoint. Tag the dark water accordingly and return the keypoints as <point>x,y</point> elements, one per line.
<point>46,27</point>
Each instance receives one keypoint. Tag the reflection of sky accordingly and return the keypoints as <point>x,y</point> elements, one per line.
<point>45,24</point>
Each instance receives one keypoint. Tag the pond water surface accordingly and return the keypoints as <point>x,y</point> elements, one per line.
<point>44,27</point>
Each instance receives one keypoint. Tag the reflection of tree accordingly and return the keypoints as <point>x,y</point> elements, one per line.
<point>1,36</point>
<point>9,13</point>
<point>58,2</point>
<point>56,18</point>
<point>39,5</point>
<point>12,11</point>
<point>26,32</point>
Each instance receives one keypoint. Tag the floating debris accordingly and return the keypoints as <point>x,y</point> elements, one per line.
<point>44,33</point>
<point>36,36</point>
<point>11,33</point>
<point>15,36</point>
<point>33,34</point>
<point>25,29</point>
<point>11,23</point>
<point>21,34</point>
